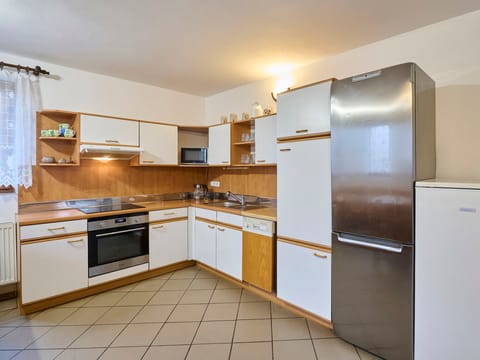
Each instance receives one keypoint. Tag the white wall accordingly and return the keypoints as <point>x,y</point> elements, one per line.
<point>448,51</point>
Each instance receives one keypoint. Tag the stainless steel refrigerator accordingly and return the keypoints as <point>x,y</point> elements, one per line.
<point>383,140</point>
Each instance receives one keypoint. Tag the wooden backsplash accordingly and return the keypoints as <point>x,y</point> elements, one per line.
<point>94,179</point>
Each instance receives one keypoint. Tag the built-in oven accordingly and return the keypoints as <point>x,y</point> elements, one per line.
<point>117,242</point>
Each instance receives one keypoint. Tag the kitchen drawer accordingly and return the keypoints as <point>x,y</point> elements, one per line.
<point>232,219</point>
<point>53,229</point>
<point>159,215</point>
<point>206,214</point>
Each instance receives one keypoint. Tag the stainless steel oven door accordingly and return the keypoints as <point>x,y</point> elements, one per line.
<point>114,249</point>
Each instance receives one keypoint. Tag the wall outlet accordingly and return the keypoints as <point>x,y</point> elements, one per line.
<point>215,183</point>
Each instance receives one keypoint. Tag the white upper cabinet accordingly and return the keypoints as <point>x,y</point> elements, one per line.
<point>159,143</point>
<point>265,140</point>
<point>108,131</point>
<point>219,145</point>
<point>304,111</point>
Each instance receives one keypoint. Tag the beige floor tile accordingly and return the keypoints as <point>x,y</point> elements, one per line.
<point>248,296</point>
<point>126,288</point>
<point>12,318</point>
<point>204,274</point>
<point>38,354</point>
<point>136,298</point>
<point>8,304</point>
<point>252,351</point>
<point>187,273</point>
<point>98,336</point>
<point>81,354</point>
<point>209,351</point>
<point>166,297</point>
<point>58,337</point>
<point>318,331</point>
<point>290,329</point>
<point>153,314</point>
<point>278,312</point>
<point>119,315</point>
<point>21,337</point>
<point>128,353</point>
<point>49,317</point>
<point>221,312</point>
<point>137,335</point>
<point>176,334</point>
<point>85,316</point>
<point>225,284</point>
<point>214,332</point>
<point>5,330</point>
<point>335,349</point>
<point>149,285</point>
<point>366,355</point>
<point>181,284</point>
<point>177,352</point>
<point>254,310</point>
<point>105,299</point>
<point>77,303</point>
<point>187,313</point>
<point>196,297</point>
<point>226,296</point>
<point>163,276</point>
<point>8,354</point>
<point>296,349</point>
<point>203,284</point>
<point>252,330</point>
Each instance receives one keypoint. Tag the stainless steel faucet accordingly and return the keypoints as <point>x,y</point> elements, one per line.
<point>241,199</point>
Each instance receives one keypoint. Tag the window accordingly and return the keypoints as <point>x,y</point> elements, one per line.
<point>7,134</point>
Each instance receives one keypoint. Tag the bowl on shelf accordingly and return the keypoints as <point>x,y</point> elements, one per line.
<point>48,159</point>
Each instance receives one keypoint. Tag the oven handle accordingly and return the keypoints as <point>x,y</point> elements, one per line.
<point>121,232</point>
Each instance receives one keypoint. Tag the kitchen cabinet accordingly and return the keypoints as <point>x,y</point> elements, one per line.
<point>53,267</point>
<point>304,277</point>
<point>108,131</point>
<point>159,143</point>
<point>304,111</point>
<point>265,140</point>
<point>304,191</point>
<point>219,145</point>
<point>229,251</point>
<point>447,290</point>
<point>53,229</point>
<point>168,243</point>
<point>206,243</point>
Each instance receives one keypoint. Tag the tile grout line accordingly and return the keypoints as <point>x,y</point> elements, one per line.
<point>235,325</point>
<point>311,340</point>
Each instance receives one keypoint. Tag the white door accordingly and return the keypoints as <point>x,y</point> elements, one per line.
<point>304,278</point>
<point>109,131</point>
<point>206,243</point>
<point>54,267</point>
<point>168,243</point>
<point>304,191</point>
<point>229,251</point>
<point>304,111</point>
<point>159,143</point>
<point>447,289</point>
<point>265,140</point>
<point>219,145</point>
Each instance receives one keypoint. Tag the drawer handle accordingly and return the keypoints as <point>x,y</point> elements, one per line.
<point>225,162</point>
<point>261,161</point>
<point>301,131</point>
<point>148,161</point>
<point>111,141</point>
<point>169,214</point>
<point>57,228</point>
<point>285,149</point>
<point>211,227</point>
<point>157,227</point>
<point>74,241</point>
<point>220,229</point>
<point>320,255</point>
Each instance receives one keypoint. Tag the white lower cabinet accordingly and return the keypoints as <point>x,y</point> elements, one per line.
<point>168,243</point>
<point>53,267</point>
<point>206,243</point>
<point>304,278</point>
<point>229,251</point>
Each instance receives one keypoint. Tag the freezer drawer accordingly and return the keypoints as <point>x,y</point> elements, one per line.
<point>372,296</point>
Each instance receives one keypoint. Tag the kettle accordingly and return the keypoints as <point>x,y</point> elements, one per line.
<point>199,191</point>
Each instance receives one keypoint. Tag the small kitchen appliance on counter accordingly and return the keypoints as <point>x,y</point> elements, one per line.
<point>200,191</point>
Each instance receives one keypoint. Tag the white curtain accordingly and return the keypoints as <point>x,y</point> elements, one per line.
<point>19,101</point>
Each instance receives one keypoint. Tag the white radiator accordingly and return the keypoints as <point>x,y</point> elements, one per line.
<point>8,250</point>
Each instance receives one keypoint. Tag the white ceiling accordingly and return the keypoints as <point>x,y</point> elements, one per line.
<point>203,47</point>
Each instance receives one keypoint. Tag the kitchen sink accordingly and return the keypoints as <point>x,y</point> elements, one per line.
<point>236,205</point>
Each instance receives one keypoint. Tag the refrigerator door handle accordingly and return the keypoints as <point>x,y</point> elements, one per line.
<point>393,249</point>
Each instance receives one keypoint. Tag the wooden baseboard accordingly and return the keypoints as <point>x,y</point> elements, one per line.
<point>78,294</point>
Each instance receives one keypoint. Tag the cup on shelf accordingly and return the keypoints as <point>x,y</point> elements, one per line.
<point>69,133</point>
<point>244,158</point>
<point>62,128</point>
<point>245,137</point>
<point>43,133</point>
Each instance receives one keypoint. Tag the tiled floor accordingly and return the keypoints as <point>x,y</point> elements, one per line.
<point>188,314</point>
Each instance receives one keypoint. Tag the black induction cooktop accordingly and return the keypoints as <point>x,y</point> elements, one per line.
<point>106,208</point>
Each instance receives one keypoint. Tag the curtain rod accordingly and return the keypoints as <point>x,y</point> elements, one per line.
<point>37,70</point>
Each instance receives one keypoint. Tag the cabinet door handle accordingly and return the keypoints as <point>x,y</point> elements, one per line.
<point>320,255</point>
<point>148,161</point>
<point>301,131</point>
<point>285,149</point>
<point>169,213</point>
<point>211,227</point>
<point>112,141</point>
<point>74,241</point>
<point>220,229</point>
<point>157,227</point>
<point>261,161</point>
<point>57,228</point>
<point>225,162</point>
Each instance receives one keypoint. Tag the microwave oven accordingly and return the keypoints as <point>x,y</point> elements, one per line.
<point>194,155</point>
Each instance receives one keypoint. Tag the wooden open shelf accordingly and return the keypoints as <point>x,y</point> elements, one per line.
<point>60,138</point>
<point>56,164</point>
